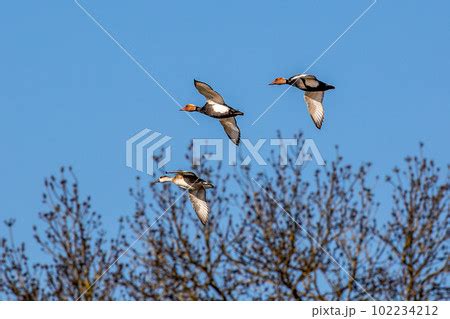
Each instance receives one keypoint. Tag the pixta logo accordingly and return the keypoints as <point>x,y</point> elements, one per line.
<point>308,151</point>
<point>141,147</point>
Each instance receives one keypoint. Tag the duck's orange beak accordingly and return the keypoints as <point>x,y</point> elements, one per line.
<point>278,81</point>
<point>189,108</point>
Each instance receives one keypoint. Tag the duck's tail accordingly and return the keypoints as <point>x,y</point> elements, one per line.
<point>329,87</point>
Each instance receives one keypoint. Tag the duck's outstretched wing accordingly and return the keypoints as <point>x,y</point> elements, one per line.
<point>315,107</point>
<point>232,129</point>
<point>198,200</point>
<point>208,92</point>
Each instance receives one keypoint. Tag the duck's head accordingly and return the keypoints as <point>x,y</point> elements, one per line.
<point>278,81</point>
<point>189,108</point>
<point>163,179</point>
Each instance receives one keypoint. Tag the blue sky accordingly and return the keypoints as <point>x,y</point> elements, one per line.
<point>70,96</point>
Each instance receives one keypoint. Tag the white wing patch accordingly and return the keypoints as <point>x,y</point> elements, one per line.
<point>219,108</point>
<point>315,108</point>
<point>198,200</point>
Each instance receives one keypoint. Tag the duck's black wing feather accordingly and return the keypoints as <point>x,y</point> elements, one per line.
<point>232,129</point>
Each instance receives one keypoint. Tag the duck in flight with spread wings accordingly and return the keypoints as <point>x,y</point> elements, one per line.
<point>217,108</point>
<point>314,92</point>
<point>195,186</point>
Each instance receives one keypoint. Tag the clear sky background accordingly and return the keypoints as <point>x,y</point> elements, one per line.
<point>70,96</point>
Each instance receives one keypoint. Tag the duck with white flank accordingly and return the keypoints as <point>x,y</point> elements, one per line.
<point>314,92</point>
<point>217,108</point>
<point>197,190</point>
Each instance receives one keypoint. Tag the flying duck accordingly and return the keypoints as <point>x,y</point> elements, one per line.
<point>217,108</point>
<point>314,92</point>
<point>197,190</point>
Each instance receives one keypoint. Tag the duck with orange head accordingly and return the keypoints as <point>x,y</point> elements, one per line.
<point>216,107</point>
<point>314,93</point>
